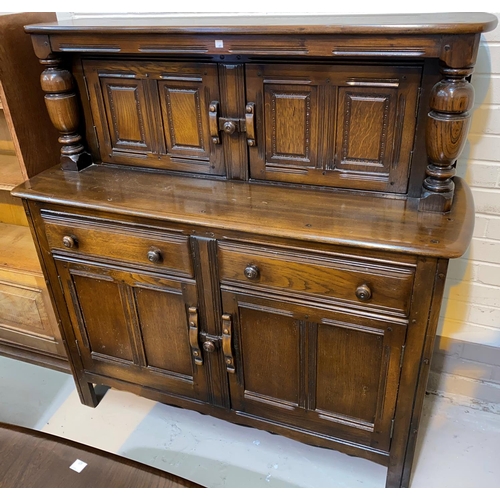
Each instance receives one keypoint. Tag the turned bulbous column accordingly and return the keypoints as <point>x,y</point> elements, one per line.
<point>446,132</point>
<point>62,106</point>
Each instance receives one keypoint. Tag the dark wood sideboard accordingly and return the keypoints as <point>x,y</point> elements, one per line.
<point>253,217</point>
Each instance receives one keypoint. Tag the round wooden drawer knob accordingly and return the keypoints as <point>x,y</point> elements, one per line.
<point>252,272</point>
<point>70,242</point>
<point>155,256</point>
<point>363,292</point>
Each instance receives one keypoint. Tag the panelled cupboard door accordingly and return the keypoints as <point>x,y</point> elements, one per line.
<point>303,367</point>
<point>336,125</point>
<point>155,114</point>
<point>134,327</point>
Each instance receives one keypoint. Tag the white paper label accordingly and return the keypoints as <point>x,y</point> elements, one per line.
<point>78,466</point>
<point>219,44</point>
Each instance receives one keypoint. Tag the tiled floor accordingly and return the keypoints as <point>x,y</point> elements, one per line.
<point>458,446</point>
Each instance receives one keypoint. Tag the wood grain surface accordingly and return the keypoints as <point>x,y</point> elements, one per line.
<point>32,459</point>
<point>338,218</point>
<point>467,22</point>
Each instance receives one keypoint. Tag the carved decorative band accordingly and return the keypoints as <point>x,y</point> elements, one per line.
<point>88,48</point>
<point>439,173</point>
<point>107,74</point>
<point>50,61</point>
<point>167,49</point>
<point>364,52</point>
<point>177,78</point>
<point>245,49</point>
<point>392,83</point>
<point>456,72</point>
<point>439,180</point>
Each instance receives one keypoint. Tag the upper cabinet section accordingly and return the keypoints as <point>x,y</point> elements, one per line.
<point>326,101</point>
<point>326,125</point>
<point>155,114</point>
<point>343,125</point>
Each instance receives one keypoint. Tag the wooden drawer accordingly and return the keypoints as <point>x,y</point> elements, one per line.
<point>331,279</point>
<point>109,240</point>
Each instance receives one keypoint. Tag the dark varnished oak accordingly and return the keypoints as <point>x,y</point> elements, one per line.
<point>426,24</point>
<point>264,231</point>
<point>320,272</point>
<point>33,459</point>
<point>394,225</point>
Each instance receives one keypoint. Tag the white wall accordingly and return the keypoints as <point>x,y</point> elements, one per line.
<point>471,308</point>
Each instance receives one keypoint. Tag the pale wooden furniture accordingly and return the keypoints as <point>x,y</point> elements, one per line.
<point>28,326</point>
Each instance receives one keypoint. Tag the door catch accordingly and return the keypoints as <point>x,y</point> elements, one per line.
<point>226,343</point>
<point>193,336</point>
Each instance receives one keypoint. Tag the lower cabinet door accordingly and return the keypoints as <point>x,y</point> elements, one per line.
<point>304,367</point>
<point>135,327</point>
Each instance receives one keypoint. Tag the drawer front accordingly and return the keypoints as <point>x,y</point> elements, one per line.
<point>363,283</point>
<point>141,247</point>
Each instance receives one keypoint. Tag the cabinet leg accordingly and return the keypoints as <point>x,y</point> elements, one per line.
<point>397,478</point>
<point>87,394</point>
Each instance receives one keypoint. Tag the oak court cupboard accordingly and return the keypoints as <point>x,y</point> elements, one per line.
<point>253,217</point>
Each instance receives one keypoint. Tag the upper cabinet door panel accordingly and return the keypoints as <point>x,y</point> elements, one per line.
<point>121,107</point>
<point>127,116</point>
<point>366,134</point>
<point>155,114</point>
<point>186,91</point>
<point>334,125</point>
<point>293,139</point>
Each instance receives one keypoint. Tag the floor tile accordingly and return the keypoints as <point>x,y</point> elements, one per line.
<point>458,446</point>
<point>105,427</point>
<point>458,443</point>
<point>30,394</point>
<point>215,453</point>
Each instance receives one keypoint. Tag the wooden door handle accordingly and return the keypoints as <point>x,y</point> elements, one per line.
<point>213,119</point>
<point>193,336</point>
<point>250,123</point>
<point>226,343</point>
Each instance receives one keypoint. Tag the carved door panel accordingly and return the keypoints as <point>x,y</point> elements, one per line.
<point>121,107</point>
<point>155,114</point>
<point>345,126</point>
<point>304,367</point>
<point>186,91</point>
<point>134,327</point>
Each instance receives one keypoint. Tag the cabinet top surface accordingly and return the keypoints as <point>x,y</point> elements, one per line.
<point>402,24</point>
<point>336,218</point>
